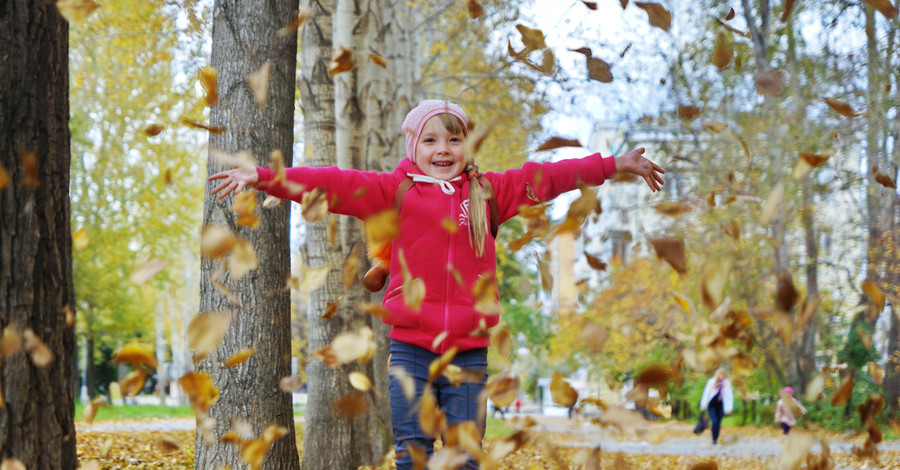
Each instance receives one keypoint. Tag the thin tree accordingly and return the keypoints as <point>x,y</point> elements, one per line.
<point>36,294</point>
<point>245,39</point>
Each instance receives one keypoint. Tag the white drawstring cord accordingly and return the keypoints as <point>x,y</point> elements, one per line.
<point>445,185</point>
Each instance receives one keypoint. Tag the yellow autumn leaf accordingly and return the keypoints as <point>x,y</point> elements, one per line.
<point>772,205</point>
<point>216,241</point>
<point>259,84</point>
<point>239,357</point>
<point>134,382</point>
<point>432,419</point>
<point>723,52</point>
<point>716,126</point>
<point>137,354</point>
<point>199,388</point>
<point>360,381</point>
<point>305,14</point>
<point>352,346</point>
<point>314,278</point>
<point>501,340</point>
<point>350,268</point>
<point>562,393</point>
<point>378,60</point>
<point>341,61</point>
<point>437,366</point>
<point>206,331</point>
<point>242,259</point>
<point>484,291</point>
<point>209,80</point>
<point>41,355</point>
<point>314,205</point>
<point>245,208</point>
<point>76,11</point>
<point>841,108</point>
<point>146,271</point>
<point>875,294</point>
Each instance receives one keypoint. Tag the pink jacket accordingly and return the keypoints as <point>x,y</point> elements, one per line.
<point>428,247</point>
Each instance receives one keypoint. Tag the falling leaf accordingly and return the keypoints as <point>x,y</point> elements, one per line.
<point>884,7</point>
<point>713,282</point>
<point>91,408</point>
<point>770,82</point>
<point>772,205</point>
<point>788,7</point>
<point>29,161</point>
<point>671,208</point>
<point>484,291</point>
<point>544,270</point>
<point>807,311</point>
<point>723,53</point>
<point>716,126</point>
<point>654,375</point>
<point>475,9</point>
<point>350,268</point>
<point>216,241</point>
<point>356,346</point>
<point>744,365</point>
<point>627,48</point>
<point>4,177</point>
<point>137,354</point>
<point>373,309</point>
<point>146,271</point>
<point>10,343</point>
<point>239,357</point>
<point>291,384</point>
<point>590,5</point>
<point>254,451</point>
<point>501,340</point>
<point>360,381</point>
<point>814,160</point>
<point>688,112</point>
<point>305,14</point>
<point>245,208</point>
<point>407,383</point>
<point>532,38</point>
<point>877,373</point>
<point>76,11</point>
<point>437,366</point>
<point>815,387</point>
<point>583,50</point>
<point>216,130</point>
<point>672,251</point>
<point>41,356</point>
<point>599,70</point>
<point>786,295</point>
<point>341,61</point>
<point>864,337</point>
<point>432,419</point>
<point>502,389</point>
<point>209,78</point>
<point>624,3</point>
<point>206,331</point>
<point>314,278</point>
<point>378,60</point>
<point>508,445</point>
<point>166,445</point>
<point>732,229</point>
<point>796,448</point>
<point>314,205</point>
<point>883,179</point>
<point>242,260</point>
<point>875,294</point>
<point>841,108</point>
<point>562,393</point>
<point>842,394</point>
<point>133,383</point>
<point>658,15</point>
<point>548,61</point>
<point>200,390</point>
<point>594,262</point>
<point>153,130</point>
<point>259,84</point>
<point>730,14</point>
<point>733,29</point>
<point>476,139</point>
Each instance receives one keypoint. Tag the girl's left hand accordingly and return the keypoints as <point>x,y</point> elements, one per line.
<point>634,162</point>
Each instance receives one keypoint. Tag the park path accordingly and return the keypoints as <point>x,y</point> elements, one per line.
<point>656,439</point>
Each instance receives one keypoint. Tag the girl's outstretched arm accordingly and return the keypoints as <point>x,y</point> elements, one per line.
<point>234,180</point>
<point>635,163</point>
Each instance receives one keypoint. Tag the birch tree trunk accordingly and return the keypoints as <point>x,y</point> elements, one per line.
<point>37,425</point>
<point>244,38</point>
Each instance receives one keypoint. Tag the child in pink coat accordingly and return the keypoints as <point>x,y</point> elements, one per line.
<point>784,410</point>
<point>449,262</point>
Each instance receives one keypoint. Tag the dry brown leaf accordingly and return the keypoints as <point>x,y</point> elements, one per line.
<point>807,311</point>
<point>239,357</point>
<point>484,291</point>
<point>713,282</point>
<point>723,53</point>
<point>688,113</point>
<point>91,408</point>
<point>730,15</point>
<point>594,262</point>
<point>814,160</point>
<point>304,15</point>
<point>4,177</point>
<point>475,9</point>
<point>548,61</point>
<point>437,366</point>
<point>133,383</point>
<point>705,465</point>
<point>327,356</point>
<point>431,418</point>
<point>407,383</point>
<point>501,340</point>
<point>843,392</point>
<point>378,60</point>
<point>76,11</point>
<point>877,373</point>
<point>476,139</point>
<point>544,269</point>
<point>562,393</point>
<point>216,241</point>
<point>356,346</point>
<point>350,268</point>
<point>341,61</point>
<point>733,29</point>
<point>137,354</point>
<point>657,14</point>
<point>41,355</point>
<point>590,5</point>
<point>786,296</point>
<point>215,130</point>
<point>557,142</point>
<point>373,309</point>
<point>259,84</point>
<point>732,229</point>
<point>883,179</point>
<point>672,208</point>
<point>864,337</point>
<point>166,445</point>
<point>786,12</point>
<point>242,259</point>
<point>884,7</point>
<point>10,343</point>
<point>815,388</point>
<point>716,126</point>
<point>291,384</point>
<point>654,375</point>
<point>770,82</point>
<point>153,130</point>
<point>314,278</point>
<point>502,389</point>
<point>206,331</point>
<point>841,108</point>
<point>532,38</point>
<point>672,251</point>
<point>146,271</point>
<point>351,405</point>
<point>200,390</point>
<point>314,205</point>
<point>772,205</point>
<point>599,69</point>
<point>797,446</point>
<point>209,78</point>
<point>509,444</point>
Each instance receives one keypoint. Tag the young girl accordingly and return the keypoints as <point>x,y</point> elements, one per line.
<point>784,410</point>
<point>448,261</point>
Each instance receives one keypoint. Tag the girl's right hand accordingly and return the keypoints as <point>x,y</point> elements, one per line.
<point>233,180</point>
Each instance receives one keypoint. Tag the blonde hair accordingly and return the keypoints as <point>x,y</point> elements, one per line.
<point>721,373</point>
<point>478,195</point>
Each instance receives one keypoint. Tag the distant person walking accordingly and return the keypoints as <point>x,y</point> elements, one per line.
<point>718,399</point>
<point>786,408</point>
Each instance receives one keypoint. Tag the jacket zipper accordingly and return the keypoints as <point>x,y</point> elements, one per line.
<point>446,300</point>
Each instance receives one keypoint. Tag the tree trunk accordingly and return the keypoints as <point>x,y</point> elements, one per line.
<point>244,38</point>
<point>36,292</point>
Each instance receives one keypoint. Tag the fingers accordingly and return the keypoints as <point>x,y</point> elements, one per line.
<point>218,176</point>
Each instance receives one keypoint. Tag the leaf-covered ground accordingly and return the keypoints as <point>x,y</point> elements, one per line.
<point>174,450</point>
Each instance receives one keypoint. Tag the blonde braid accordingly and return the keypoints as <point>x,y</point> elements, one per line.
<point>478,219</point>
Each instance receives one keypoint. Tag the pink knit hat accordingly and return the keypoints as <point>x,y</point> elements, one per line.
<point>789,390</point>
<point>416,118</point>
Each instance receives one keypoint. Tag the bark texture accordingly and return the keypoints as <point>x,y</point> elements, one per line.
<point>245,36</point>
<point>36,422</point>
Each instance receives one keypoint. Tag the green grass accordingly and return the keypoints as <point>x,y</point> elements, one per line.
<point>496,427</point>
<point>110,412</point>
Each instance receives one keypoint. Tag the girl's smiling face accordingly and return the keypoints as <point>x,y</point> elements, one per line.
<point>440,153</point>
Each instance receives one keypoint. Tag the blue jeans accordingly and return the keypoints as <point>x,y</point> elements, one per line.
<point>458,403</point>
<point>716,413</point>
